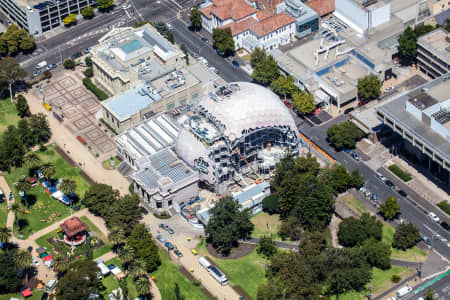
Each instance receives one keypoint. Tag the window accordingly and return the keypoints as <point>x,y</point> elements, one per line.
<point>158,204</point>
<point>169,203</point>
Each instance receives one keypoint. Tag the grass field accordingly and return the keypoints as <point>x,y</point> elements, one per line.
<point>413,254</point>
<point>266,224</point>
<point>111,283</point>
<point>37,295</point>
<point>381,281</point>
<point>353,203</point>
<point>168,274</point>
<point>44,210</point>
<point>8,115</point>
<point>105,248</point>
<point>42,241</point>
<point>3,213</point>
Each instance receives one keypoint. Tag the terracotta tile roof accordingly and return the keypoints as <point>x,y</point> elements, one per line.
<point>261,28</point>
<point>229,9</point>
<point>321,7</point>
<point>263,14</point>
<point>73,226</point>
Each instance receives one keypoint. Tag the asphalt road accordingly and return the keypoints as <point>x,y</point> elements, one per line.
<point>440,286</point>
<point>416,214</point>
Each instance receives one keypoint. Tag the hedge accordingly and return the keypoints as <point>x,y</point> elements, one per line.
<point>101,95</point>
<point>445,207</point>
<point>400,173</point>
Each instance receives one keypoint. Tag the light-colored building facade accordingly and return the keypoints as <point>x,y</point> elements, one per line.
<point>306,19</point>
<point>433,53</point>
<point>126,56</point>
<point>438,6</point>
<point>39,17</point>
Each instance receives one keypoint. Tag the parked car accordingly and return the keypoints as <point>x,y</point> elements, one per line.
<point>36,262</point>
<point>170,230</point>
<point>433,217</point>
<point>355,156</point>
<point>51,67</point>
<point>389,89</point>
<point>169,245</point>
<point>178,253</point>
<point>349,110</point>
<point>76,55</point>
<point>163,226</point>
<point>402,193</point>
<point>37,73</point>
<point>381,177</point>
<point>389,183</point>
<point>426,240</point>
<point>235,63</point>
<point>221,53</point>
<point>204,39</point>
<point>160,238</point>
<point>445,226</point>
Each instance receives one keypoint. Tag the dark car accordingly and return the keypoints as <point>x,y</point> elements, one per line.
<point>144,211</point>
<point>170,230</point>
<point>445,226</point>
<point>76,55</point>
<point>169,245</point>
<point>221,53</point>
<point>178,253</point>
<point>163,226</point>
<point>235,63</point>
<point>349,110</point>
<point>403,193</point>
<point>44,296</point>
<point>389,183</point>
<point>355,156</point>
<point>204,39</point>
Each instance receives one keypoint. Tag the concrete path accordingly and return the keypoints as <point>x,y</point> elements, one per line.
<point>282,245</point>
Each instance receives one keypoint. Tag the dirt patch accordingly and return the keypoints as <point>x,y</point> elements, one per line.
<point>241,251</point>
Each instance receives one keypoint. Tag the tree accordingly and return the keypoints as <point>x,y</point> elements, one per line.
<point>123,284</point>
<point>344,135</point>
<point>144,246</point>
<point>271,204</point>
<point>24,186</point>
<point>5,234</point>
<point>304,102</point>
<point>60,264</point>
<point>406,236</point>
<point>79,281</point>
<point>127,253</point>
<point>104,5</point>
<point>143,287</point>
<point>25,134</point>
<point>48,170</point>
<point>15,209</point>
<point>88,61</point>
<point>196,19</point>
<point>162,28</point>
<point>429,294</point>
<point>138,268</point>
<point>88,12</point>
<point>284,86</point>
<point>223,40</point>
<point>23,110</point>
<point>257,56</point>
<point>184,50</point>
<point>390,208</point>
<point>99,197</point>
<point>22,259</point>
<point>290,228</point>
<point>116,235</point>
<point>10,281</point>
<point>312,245</point>
<point>266,70</point>
<point>70,19</point>
<point>369,87</point>
<point>69,64</point>
<point>227,225</point>
<point>40,129</point>
<point>354,232</point>
<point>68,186</point>
<point>177,291</point>
<point>357,180</point>
<point>124,212</point>
<point>11,149</point>
<point>15,39</point>
<point>170,37</point>
<point>266,247</point>
<point>378,254</point>
<point>339,178</point>
<point>11,72</point>
<point>407,42</point>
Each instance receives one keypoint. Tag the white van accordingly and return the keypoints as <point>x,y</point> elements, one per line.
<point>403,291</point>
<point>41,64</point>
<point>205,263</point>
<point>50,285</point>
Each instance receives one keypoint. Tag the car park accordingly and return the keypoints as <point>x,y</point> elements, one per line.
<point>161,239</point>
<point>169,245</point>
<point>389,183</point>
<point>433,217</point>
<point>402,193</point>
<point>445,226</point>
<point>178,253</point>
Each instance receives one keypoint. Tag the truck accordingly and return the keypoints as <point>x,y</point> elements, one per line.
<point>403,291</point>
<point>41,65</point>
<point>213,270</point>
<point>205,263</point>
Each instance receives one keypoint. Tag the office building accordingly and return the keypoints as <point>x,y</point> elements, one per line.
<point>433,53</point>
<point>306,19</point>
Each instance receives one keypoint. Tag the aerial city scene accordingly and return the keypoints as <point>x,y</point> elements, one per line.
<point>225,149</point>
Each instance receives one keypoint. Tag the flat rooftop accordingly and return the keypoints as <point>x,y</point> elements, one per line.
<point>438,43</point>
<point>305,54</point>
<point>174,82</point>
<point>395,109</point>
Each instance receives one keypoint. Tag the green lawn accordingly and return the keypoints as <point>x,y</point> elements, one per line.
<point>267,225</point>
<point>166,276</point>
<point>105,248</point>
<point>353,203</point>
<point>413,254</point>
<point>107,163</point>
<point>8,115</point>
<point>247,271</point>
<point>3,213</point>
<point>42,241</point>
<point>37,295</point>
<point>381,281</point>
<point>111,283</point>
<point>45,210</point>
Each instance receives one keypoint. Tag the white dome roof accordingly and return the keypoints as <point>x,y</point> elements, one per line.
<point>252,106</point>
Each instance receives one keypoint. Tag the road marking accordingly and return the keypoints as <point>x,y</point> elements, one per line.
<point>431,282</point>
<point>176,3</point>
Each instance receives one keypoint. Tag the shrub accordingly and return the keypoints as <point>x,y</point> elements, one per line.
<point>406,236</point>
<point>88,72</point>
<point>81,140</point>
<point>266,247</point>
<point>271,204</point>
<point>69,64</point>
<point>139,24</point>
<point>400,173</point>
<point>444,206</point>
<point>47,74</point>
<point>101,95</point>
<point>88,61</point>
<point>196,282</point>
<point>163,215</point>
<point>131,188</point>
<point>395,278</point>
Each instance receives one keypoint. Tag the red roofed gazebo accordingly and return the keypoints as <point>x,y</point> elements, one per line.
<point>74,231</point>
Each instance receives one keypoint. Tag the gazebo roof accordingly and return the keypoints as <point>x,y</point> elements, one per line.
<point>73,226</point>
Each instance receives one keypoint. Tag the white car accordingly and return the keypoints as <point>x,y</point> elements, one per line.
<point>35,262</point>
<point>433,217</point>
<point>381,177</point>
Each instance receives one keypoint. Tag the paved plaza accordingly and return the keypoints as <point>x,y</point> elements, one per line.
<point>68,97</point>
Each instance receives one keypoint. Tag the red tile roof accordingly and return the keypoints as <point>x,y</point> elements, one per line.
<point>263,14</point>
<point>261,28</point>
<point>73,226</point>
<point>228,9</point>
<point>322,7</point>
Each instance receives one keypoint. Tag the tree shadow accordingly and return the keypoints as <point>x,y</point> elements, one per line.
<point>23,223</point>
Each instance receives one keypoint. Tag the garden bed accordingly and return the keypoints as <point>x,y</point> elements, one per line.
<point>400,173</point>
